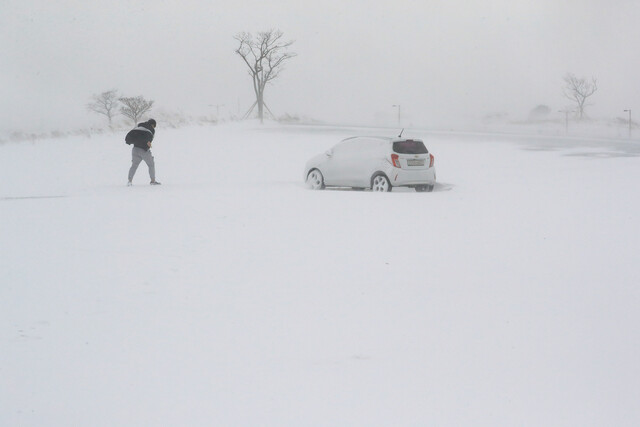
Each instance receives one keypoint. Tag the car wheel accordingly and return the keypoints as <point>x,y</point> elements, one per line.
<point>315,180</point>
<point>423,188</point>
<point>380,183</point>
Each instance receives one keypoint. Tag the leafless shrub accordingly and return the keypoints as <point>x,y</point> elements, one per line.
<point>135,107</point>
<point>264,55</point>
<point>106,104</point>
<point>578,90</point>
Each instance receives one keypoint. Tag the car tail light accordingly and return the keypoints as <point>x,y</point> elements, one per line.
<point>395,160</point>
<point>431,160</point>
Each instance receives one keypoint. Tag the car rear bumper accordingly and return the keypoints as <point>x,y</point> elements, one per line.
<point>403,177</point>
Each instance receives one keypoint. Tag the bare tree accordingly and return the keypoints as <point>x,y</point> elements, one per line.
<point>135,107</point>
<point>264,55</point>
<point>578,90</point>
<point>105,103</point>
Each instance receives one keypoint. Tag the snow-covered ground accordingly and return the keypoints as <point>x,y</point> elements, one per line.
<point>231,295</point>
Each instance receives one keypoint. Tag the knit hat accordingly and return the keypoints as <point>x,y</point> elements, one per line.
<point>152,122</point>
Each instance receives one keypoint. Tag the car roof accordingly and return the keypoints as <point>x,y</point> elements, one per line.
<point>383,138</point>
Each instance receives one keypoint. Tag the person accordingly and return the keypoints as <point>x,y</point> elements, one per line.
<point>141,137</point>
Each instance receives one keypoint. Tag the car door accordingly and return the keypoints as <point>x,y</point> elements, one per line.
<point>358,161</point>
<point>358,158</point>
<point>334,168</point>
<point>369,160</point>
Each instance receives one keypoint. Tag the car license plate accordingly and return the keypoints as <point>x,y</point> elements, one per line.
<point>415,162</point>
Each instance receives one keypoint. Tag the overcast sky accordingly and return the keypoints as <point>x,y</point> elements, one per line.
<point>443,61</point>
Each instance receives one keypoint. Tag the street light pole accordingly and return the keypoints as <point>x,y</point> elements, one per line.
<point>629,111</point>
<point>398,113</point>
<point>566,119</point>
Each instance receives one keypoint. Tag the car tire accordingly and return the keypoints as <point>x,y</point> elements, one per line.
<point>424,188</point>
<point>315,180</point>
<point>381,183</point>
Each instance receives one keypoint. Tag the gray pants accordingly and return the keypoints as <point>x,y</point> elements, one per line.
<point>138,155</point>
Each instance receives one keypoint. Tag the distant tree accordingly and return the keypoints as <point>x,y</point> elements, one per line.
<point>578,90</point>
<point>105,103</point>
<point>135,107</point>
<point>541,112</point>
<point>264,55</point>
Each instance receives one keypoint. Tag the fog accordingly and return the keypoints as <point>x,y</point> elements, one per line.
<point>445,62</point>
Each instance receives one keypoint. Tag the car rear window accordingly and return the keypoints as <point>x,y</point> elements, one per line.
<point>409,147</point>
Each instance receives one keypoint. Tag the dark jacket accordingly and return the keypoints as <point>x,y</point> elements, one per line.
<point>141,135</point>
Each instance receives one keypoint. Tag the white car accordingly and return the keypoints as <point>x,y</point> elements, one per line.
<point>379,163</point>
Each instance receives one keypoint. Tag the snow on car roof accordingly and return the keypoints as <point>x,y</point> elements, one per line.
<point>384,138</point>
